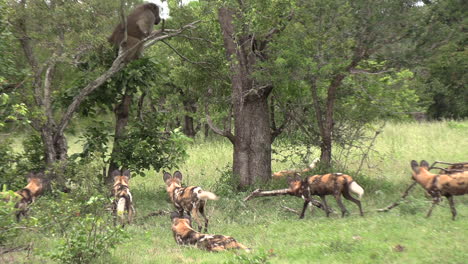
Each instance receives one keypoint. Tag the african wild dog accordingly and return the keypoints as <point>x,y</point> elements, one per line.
<point>24,197</point>
<point>335,184</point>
<point>190,199</point>
<point>123,201</point>
<point>185,235</point>
<point>436,185</point>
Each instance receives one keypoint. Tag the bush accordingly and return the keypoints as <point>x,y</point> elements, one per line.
<point>9,227</point>
<point>85,228</point>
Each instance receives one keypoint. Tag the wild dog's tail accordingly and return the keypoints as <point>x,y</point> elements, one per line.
<point>355,188</point>
<point>314,163</point>
<point>121,205</point>
<point>205,195</point>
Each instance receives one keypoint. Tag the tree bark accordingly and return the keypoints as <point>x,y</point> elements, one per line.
<point>188,128</point>
<point>326,120</point>
<point>252,137</point>
<point>122,112</point>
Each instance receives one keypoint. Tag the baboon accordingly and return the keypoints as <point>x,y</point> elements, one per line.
<point>139,26</point>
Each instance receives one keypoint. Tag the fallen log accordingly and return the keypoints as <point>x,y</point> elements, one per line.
<point>260,193</point>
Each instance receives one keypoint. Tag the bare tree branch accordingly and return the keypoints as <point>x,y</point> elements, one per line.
<point>226,133</point>
<point>182,56</point>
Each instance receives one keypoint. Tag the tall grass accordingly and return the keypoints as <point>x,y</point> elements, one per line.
<point>402,235</point>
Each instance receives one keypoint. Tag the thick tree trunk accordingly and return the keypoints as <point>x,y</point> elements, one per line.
<point>122,112</point>
<point>252,145</point>
<point>252,139</point>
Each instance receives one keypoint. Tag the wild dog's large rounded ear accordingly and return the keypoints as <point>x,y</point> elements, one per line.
<point>424,164</point>
<point>178,175</point>
<point>30,176</point>
<point>126,173</point>
<point>115,174</point>
<point>297,177</point>
<point>166,176</point>
<point>414,166</point>
<point>188,217</point>
<point>174,215</point>
<point>289,179</point>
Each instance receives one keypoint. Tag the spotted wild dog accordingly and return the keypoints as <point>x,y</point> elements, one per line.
<point>190,199</point>
<point>123,201</point>
<point>437,185</point>
<point>184,234</point>
<point>284,173</point>
<point>26,196</point>
<point>335,184</point>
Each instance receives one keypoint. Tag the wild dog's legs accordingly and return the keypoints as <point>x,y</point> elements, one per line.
<point>340,204</point>
<point>324,201</point>
<point>197,218</point>
<point>306,203</point>
<point>435,201</point>
<point>348,196</point>
<point>452,206</point>
<point>131,212</point>
<point>201,209</point>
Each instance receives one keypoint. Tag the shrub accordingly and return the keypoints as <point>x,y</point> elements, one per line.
<point>85,228</point>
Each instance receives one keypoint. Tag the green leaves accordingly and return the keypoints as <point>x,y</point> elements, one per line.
<point>84,227</point>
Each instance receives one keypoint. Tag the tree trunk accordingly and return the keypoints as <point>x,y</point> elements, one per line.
<point>252,139</point>
<point>122,111</point>
<point>188,128</point>
<point>252,145</point>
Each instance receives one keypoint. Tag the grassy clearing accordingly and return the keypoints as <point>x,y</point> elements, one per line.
<point>403,235</point>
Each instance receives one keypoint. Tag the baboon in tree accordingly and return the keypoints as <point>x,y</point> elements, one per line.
<point>139,26</point>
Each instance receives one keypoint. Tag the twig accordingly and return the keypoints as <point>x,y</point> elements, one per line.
<point>260,193</point>
<point>14,249</point>
<point>290,210</point>
<point>182,56</point>
<point>395,204</point>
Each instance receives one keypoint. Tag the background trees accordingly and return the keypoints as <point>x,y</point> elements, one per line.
<point>323,73</point>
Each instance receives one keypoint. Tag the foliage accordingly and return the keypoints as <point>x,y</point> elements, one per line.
<point>95,140</point>
<point>9,227</point>
<point>10,176</point>
<point>14,165</point>
<point>147,145</point>
<point>33,155</point>
<point>437,52</point>
<point>84,228</point>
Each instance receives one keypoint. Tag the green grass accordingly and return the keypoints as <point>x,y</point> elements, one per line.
<point>277,236</point>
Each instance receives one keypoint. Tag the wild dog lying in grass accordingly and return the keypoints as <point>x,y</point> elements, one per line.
<point>123,201</point>
<point>284,173</point>
<point>185,235</point>
<point>335,184</point>
<point>190,199</point>
<point>24,197</point>
<point>437,185</point>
